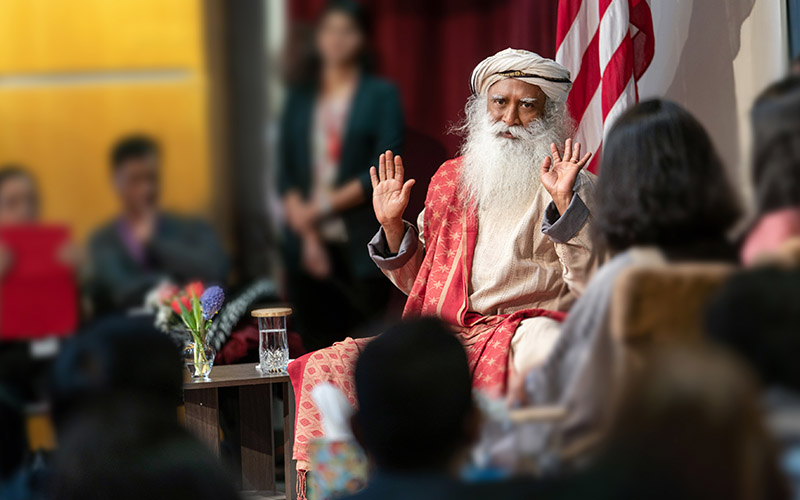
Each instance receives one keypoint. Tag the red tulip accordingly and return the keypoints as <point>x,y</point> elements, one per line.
<point>176,304</point>
<point>195,289</point>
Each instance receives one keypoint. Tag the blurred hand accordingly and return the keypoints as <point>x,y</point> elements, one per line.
<point>301,216</point>
<point>144,228</point>
<point>390,194</point>
<point>6,259</point>
<point>559,174</point>
<point>315,257</point>
<point>71,255</point>
<point>516,396</point>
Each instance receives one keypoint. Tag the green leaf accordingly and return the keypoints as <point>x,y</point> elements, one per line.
<point>187,317</point>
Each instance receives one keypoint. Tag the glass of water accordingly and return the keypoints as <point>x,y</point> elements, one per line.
<point>273,348</point>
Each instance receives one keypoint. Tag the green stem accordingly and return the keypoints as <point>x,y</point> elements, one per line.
<point>200,358</point>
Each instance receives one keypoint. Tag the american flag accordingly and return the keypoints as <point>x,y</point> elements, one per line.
<point>606,45</point>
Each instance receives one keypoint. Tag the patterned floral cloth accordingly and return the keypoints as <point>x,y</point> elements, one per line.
<point>339,468</point>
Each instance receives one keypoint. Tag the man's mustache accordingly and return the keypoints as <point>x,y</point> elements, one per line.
<point>517,131</point>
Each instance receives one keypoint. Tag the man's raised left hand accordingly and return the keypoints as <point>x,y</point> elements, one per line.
<point>559,174</point>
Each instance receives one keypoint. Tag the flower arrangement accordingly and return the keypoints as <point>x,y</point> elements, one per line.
<point>195,306</point>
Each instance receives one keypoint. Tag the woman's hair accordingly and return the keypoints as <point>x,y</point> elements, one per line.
<point>353,10</point>
<point>776,146</point>
<point>360,17</point>
<point>662,182</point>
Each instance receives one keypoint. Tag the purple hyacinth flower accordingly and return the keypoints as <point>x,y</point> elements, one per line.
<point>211,301</point>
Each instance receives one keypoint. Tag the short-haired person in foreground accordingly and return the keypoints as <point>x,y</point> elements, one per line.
<point>416,417</point>
<point>663,196</point>
<point>502,248</point>
<point>756,314</point>
<point>145,245</point>
<point>690,427</point>
<point>118,432</point>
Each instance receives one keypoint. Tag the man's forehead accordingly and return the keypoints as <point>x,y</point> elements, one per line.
<point>516,86</point>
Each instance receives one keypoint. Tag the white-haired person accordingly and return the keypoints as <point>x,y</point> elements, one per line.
<point>502,248</point>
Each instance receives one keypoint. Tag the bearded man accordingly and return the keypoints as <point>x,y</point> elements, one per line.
<point>502,248</point>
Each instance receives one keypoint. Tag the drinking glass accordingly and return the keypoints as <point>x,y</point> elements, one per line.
<point>273,348</point>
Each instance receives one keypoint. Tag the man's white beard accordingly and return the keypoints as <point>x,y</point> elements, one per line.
<point>501,174</point>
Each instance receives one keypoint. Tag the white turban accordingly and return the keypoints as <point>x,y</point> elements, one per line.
<point>524,65</point>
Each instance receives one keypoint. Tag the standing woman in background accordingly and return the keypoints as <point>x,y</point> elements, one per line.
<point>333,128</point>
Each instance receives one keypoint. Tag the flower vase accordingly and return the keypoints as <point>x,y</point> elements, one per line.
<point>199,361</point>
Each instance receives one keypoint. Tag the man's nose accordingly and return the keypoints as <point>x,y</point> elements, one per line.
<point>511,117</point>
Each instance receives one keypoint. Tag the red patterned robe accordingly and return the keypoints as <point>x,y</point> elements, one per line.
<point>441,287</point>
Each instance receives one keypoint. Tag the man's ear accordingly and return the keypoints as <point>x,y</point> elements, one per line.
<point>358,432</point>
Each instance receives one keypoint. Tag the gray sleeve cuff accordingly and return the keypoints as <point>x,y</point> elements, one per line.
<point>383,258</point>
<point>561,228</point>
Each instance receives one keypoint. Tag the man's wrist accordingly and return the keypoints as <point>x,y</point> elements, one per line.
<point>394,227</point>
<point>394,232</point>
<point>562,202</point>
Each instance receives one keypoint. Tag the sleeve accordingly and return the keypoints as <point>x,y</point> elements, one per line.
<point>111,282</point>
<point>286,166</point>
<point>571,233</point>
<point>389,131</point>
<point>401,268</point>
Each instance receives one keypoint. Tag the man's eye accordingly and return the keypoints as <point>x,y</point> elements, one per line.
<point>527,105</point>
<point>499,102</point>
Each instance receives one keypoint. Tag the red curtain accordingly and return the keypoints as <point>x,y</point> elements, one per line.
<point>429,48</point>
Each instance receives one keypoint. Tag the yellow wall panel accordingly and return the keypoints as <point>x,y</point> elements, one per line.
<point>88,35</point>
<point>64,135</point>
<point>89,75</point>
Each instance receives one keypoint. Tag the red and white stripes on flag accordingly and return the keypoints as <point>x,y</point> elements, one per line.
<point>606,45</point>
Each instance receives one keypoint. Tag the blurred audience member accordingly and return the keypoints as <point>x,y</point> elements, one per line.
<point>333,128</point>
<point>124,453</point>
<point>145,245</point>
<point>690,427</point>
<point>776,169</point>
<point>756,314</point>
<point>116,360</point>
<point>19,204</point>
<point>114,396</point>
<point>19,198</point>
<point>416,417</point>
<point>663,196</point>
<point>19,213</point>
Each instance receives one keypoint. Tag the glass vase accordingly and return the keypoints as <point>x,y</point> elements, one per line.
<point>273,346</point>
<point>199,361</point>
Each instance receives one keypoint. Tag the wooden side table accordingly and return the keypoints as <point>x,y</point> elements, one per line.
<point>201,401</point>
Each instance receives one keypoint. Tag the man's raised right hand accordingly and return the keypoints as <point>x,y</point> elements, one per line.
<point>390,194</point>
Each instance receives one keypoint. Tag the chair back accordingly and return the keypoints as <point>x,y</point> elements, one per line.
<point>664,302</point>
